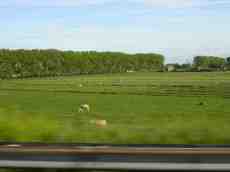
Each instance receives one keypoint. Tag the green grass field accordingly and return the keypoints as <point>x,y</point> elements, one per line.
<point>156,108</point>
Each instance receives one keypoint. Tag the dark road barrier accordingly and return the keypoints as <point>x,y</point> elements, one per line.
<point>116,157</point>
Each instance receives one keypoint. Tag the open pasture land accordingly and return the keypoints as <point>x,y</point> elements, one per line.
<point>156,108</point>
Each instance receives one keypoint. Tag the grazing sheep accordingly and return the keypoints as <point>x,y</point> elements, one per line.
<point>80,85</point>
<point>99,123</point>
<point>84,108</point>
<point>80,110</point>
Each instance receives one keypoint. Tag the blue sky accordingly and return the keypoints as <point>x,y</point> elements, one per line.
<point>179,29</point>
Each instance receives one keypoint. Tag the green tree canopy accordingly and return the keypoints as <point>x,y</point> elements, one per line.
<point>38,63</point>
<point>208,62</point>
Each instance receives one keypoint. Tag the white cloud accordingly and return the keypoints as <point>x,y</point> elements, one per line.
<point>183,3</point>
<point>51,3</point>
<point>168,3</point>
<point>149,3</point>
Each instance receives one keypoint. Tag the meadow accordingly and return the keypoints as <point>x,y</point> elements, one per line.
<point>139,107</point>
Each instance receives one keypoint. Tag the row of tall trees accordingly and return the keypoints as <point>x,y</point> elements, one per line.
<point>39,63</point>
<point>201,63</point>
<point>209,63</point>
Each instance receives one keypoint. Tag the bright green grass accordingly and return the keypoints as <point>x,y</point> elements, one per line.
<point>46,109</point>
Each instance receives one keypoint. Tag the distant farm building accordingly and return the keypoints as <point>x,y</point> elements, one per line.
<point>170,67</point>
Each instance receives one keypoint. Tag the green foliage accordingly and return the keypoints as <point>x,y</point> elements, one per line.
<point>38,63</point>
<point>228,60</point>
<point>186,67</point>
<point>209,63</point>
<point>227,66</point>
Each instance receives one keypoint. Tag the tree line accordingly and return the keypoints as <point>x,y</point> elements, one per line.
<point>209,63</point>
<point>41,63</point>
<point>203,63</point>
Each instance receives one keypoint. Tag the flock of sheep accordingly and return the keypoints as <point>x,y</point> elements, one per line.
<point>85,108</point>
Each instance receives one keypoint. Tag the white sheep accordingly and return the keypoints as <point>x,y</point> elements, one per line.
<point>80,110</point>
<point>84,108</point>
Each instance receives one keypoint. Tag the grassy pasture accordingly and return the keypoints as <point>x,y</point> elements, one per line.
<point>139,108</point>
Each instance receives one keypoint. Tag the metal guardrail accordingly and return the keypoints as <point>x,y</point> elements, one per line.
<point>115,157</point>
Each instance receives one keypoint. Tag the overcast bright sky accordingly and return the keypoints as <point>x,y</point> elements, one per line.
<point>179,29</point>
